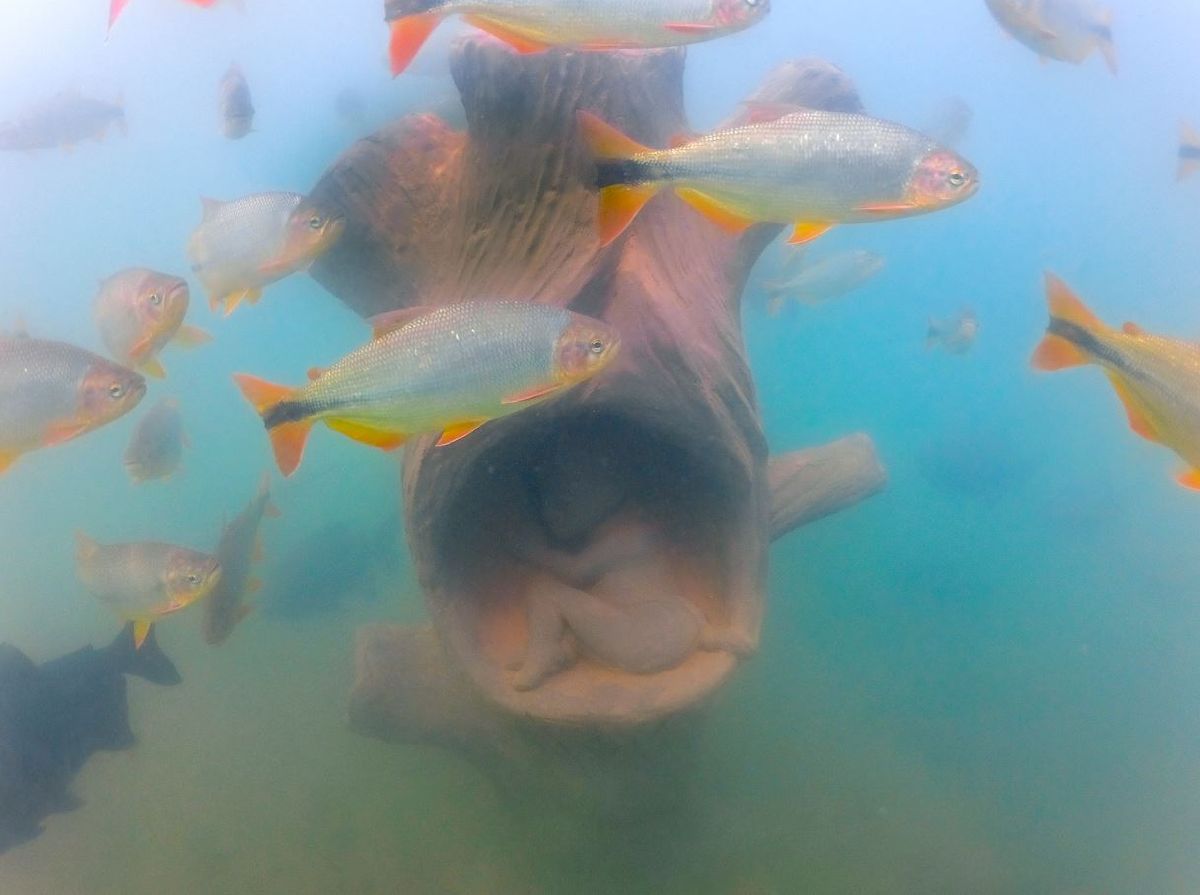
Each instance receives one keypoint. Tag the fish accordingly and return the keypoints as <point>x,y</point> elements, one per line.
<point>530,26</point>
<point>1189,152</point>
<point>144,582</point>
<point>955,335</point>
<point>62,121</point>
<point>240,547</point>
<point>447,369</point>
<point>138,312</point>
<point>244,245</point>
<point>825,279</point>
<point>1157,378</point>
<point>812,169</point>
<point>116,7</point>
<point>156,448</point>
<point>237,109</point>
<point>52,392</point>
<point>1066,30</point>
<point>55,716</point>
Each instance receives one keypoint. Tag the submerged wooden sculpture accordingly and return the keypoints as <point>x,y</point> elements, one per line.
<point>598,560</point>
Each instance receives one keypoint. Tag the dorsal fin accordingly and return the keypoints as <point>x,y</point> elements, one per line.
<point>757,111</point>
<point>382,324</point>
<point>209,207</point>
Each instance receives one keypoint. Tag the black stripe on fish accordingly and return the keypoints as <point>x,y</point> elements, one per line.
<point>611,172</point>
<point>1081,338</point>
<point>1189,151</point>
<point>285,412</point>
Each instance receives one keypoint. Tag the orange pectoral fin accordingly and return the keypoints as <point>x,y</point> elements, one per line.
<point>408,34</point>
<point>1189,479</point>
<point>60,433</point>
<point>619,205</point>
<point>887,208</point>
<point>532,394</point>
<point>380,438</point>
<point>458,431</point>
<point>521,43</point>
<point>806,231</point>
<point>1056,353</point>
<point>723,216</point>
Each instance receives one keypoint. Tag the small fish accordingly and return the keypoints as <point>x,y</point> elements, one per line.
<point>530,26</point>
<point>1157,378</point>
<point>144,582</point>
<point>156,448</point>
<point>244,245</point>
<point>116,7</point>
<point>825,279</point>
<point>138,311</point>
<point>55,716</point>
<point>810,168</point>
<point>955,335</point>
<point>52,392</point>
<point>64,120</point>
<point>237,110</point>
<point>1066,30</point>
<point>1189,152</point>
<point>239,549</point>
<point>447,369</point>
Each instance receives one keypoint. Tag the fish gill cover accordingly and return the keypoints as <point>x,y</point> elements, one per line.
<point>564,397</point>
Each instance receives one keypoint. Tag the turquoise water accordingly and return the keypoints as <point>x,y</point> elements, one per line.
<point>960,689</point>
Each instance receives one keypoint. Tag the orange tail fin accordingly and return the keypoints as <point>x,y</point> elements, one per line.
<point>287,438</point>
<point>1055,352</point>
<point>408,34</point>
<point>606,141</point>
<point>620,201</point>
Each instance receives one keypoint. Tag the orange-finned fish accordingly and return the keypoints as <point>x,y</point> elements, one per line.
<point>1157,378</point>
<point>1189,152</point>
<point>447,369</point>
<point>144,582</point>
<point>138,312</point>
<point>51,392</point>
<point>808,168</point>
<point>156,447</point>
<point>1066,30</point>
<point>116,7</point>
<point>248,243</point>
<point>530,26</point>
<point>239,549</point>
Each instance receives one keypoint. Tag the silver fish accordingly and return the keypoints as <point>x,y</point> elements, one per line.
<point>825,279</point>
<point>64,120</point>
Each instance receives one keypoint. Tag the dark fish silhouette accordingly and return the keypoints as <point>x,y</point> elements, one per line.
<point>53,717</point>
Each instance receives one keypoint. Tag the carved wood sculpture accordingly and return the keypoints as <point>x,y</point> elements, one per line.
<point>664,451</point>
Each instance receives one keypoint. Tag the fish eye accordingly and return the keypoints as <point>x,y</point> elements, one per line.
<point>315,222</point>
<point>193,578</point>
<point>596,345</point>
<point>155,298</point>
<point>116,390</point>
<point>957,179</point>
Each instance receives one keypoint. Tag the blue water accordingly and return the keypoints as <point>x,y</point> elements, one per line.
<point>960,689</point>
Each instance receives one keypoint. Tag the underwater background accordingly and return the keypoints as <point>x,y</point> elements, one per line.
<point>984,680</point>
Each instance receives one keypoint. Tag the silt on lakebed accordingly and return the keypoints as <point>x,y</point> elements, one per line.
<point>650,482</point>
